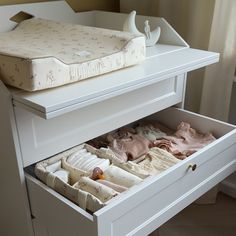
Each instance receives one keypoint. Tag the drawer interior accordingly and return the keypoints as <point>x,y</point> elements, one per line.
<point>173,116</point>
<point>215,162</point>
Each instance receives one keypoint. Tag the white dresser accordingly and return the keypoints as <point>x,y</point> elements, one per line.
<point>35,126</point>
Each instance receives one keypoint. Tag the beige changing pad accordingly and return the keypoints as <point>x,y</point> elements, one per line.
<point>40,54</point>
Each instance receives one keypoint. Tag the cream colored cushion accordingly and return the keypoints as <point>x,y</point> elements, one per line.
<point>40,54</point>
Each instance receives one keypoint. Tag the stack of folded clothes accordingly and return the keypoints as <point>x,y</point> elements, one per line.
<point>84,177</point>
<point>150,148</point>
<point>91,174</point>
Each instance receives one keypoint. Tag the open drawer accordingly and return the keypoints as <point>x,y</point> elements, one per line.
<point>146,206</point>
<point>42,138</point>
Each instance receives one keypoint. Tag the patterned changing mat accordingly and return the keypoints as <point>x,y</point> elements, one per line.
<point>41,53</point>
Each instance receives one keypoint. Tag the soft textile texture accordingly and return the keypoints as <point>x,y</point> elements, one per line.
<point>121,177</point>
<point>41,53</point>
<point>129,166</point>
<point>82,162</point>
<point>62,173</point>
<point>130,147</point>
<point>51,173</point>
<point>102,192</point>
<point>116,187</point>
<point>150,132</point>
<point>157,161</point>
<point>86,161</point>
<point>185,141</point>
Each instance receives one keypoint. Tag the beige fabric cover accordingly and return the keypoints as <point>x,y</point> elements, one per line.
<point>45,172</point>
<point>87,193</point>
<point>157,160</point>
<point>121,177</point>
<point>154,162</point>
<point>76,173</point>
<point>102,192</point>
<point>40,54</point>
<point>129,166</point>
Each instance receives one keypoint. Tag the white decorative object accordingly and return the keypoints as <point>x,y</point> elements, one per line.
<point>150,36</point>
<point>130,25</point>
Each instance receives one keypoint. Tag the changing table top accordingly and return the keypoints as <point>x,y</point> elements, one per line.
<point>54,102</point>
<point>169,58</point>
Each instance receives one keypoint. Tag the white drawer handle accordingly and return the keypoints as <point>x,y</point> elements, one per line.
<point>193,167</point>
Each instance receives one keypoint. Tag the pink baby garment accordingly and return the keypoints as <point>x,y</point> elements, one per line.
<point>130,147</point>
<point>185,141</point>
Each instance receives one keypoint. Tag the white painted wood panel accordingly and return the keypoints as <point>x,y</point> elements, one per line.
<point>12,181</point>
<point>58,101</point>
<point>59,219</point>
<point>40,138</point>
<point>61,11</point>
<point>111,20</point>
<point>54,10</point>
<point>148,205</point>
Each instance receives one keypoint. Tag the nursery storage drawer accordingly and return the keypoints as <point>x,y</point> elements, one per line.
<point>146,206</point>
<point>40,138</point>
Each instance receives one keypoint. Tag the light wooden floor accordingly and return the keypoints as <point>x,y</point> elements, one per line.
<point>204,220</point>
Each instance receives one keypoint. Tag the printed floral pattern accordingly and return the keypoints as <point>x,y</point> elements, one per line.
<point>41,54</point>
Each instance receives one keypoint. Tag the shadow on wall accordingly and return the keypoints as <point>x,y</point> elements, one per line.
<point>77,5</point>
<point>232,112</point>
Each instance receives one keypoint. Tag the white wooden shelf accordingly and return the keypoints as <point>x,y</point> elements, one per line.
<point>54,102</point>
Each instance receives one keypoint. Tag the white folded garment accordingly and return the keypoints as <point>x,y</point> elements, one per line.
<point>119,176</point>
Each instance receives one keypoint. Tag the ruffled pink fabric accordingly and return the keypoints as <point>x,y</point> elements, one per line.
<point>130,147</point>
<point>185,141</point>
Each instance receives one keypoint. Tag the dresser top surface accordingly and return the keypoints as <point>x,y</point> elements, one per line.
<point>168,62</point>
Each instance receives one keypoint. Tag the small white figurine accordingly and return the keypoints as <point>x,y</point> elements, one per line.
<point>147,29</point>
<point>151,36</point>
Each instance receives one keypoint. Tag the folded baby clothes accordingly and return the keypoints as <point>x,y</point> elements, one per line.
<point>86,161</point>
<point>116,181</point>
<point>157,160</point>
<point>120,133</point>
<point>45,169</point>
<point>130,147</point>
<point>99,142</point>
<point>51,173</point>
<point>116,187</point>
<point>185,141</point>
<point>85,200</point>
<point>82,163</point>
<point>150,132</point>
<point>121,177</point>
<point>129,166</point>
<point>101,191</point>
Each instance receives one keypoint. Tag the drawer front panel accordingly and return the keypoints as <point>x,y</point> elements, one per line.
<point>41,138</point>
<point>146,206</point>
<point>156,209</point>
<point>55,215</point>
